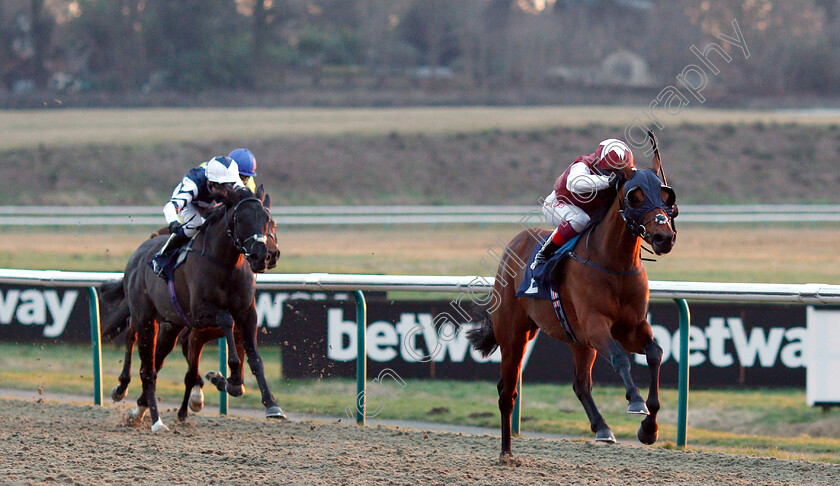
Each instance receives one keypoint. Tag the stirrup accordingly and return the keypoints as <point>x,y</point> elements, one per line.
<point>539,259</point>
<point>157,268</point>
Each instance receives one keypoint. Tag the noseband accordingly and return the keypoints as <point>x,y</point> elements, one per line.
<point>255,238</point>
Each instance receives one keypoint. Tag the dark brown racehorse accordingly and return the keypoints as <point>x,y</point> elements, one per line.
<point>116,321</point>
<point>604,291</point>
<point>215,288</point>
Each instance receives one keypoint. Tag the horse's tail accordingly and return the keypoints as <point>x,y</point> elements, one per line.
<point>482,338</point>
<point>116,320</point>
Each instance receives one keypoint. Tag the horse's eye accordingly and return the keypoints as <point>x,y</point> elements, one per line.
<point>636,198</point>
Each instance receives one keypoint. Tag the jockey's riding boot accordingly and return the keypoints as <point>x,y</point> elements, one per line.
<point>548,249</point>
<point>175,240</point>
<point>561,235</point>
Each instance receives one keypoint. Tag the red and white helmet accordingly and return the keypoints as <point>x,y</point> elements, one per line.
<point>613,154</point>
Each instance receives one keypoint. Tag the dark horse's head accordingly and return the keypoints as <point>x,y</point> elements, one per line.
<point>649,207</point>
<point>250,225</point>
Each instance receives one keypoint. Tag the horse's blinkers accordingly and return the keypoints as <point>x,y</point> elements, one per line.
<point>650,185</point>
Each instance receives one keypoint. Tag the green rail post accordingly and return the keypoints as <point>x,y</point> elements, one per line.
<point>223,396</point>
<point>515,419</point>
<point>361,356</point>
<point>96,341</point>
<point>682,410</point>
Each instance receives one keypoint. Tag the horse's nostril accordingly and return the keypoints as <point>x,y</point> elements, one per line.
<point>660,238</point>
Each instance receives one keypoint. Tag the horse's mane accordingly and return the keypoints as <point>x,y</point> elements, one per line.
<point>599,214</point>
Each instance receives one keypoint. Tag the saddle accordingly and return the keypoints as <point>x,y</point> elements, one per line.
<point>171,259</point>
<point>538,284</point>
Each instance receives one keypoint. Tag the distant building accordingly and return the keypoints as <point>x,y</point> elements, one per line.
<point>621,68</point>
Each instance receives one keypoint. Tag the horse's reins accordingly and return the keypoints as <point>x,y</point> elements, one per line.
<point>587,261</point>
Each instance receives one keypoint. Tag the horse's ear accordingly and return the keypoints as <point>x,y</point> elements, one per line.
<point>226,196</point>
<point>657,159</point>
<point>267,201</point>
<point>260,194</point>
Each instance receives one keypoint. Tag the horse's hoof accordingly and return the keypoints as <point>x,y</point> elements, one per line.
<point>234,390</point>
<point>116,394</point>
<point>605,435</point>
<point>507,459</point>
<point>638,408</point>
<point>182,415</point>
<point>216,379</point>
<point>275,413</point>
<point>646,437</point>
<point>159,426</point>
<point>196,399</point>
<point>136,415</point>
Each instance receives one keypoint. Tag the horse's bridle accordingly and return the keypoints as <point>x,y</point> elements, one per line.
<point>636,227</point>
<point>255,238</point>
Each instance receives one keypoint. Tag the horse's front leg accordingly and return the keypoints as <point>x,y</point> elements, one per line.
<point>649,430</point>
<point>193,395</point>
<point>213,316</point>
<point>621,364</point>
<point>248,334</point>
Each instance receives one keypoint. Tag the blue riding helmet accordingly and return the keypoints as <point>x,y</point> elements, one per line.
<point>246,161</point>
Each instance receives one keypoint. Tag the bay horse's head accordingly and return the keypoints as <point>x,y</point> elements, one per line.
<point>249,225</point>
<point>649,207</point>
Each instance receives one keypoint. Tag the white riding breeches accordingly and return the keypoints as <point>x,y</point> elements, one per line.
<point>557,212</point>
<point>191,220</point>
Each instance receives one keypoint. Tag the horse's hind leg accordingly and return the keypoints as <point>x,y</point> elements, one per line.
<point>512,349</point>
<point>118,392</point>
<point>584,358</point>
<point>147,340</point>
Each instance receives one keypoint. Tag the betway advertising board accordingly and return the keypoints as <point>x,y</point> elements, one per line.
<point>756,345</point>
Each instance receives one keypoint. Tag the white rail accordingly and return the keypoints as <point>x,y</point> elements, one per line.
<point>812,293</point>
<point>377,215</point>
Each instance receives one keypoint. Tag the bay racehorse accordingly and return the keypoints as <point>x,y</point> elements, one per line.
<point>117,321</point>
<point>603,288</point>
<point>214,287</point>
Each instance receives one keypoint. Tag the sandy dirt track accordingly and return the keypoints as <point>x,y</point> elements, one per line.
<point>48,442</point>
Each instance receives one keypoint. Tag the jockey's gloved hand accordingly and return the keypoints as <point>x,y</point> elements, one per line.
<point>174,227</point>
<point>615,180</point>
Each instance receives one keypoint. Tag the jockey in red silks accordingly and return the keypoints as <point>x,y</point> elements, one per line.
<point>579,191</point>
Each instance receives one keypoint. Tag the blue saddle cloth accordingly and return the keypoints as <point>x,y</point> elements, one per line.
<point>172,259</point>
<point>537,283</point>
